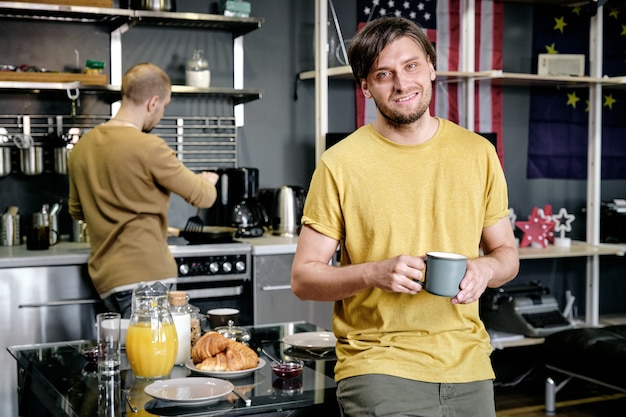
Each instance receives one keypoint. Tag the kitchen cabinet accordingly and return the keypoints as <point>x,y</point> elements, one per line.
<point>40,304</point>
<point>591,248</point>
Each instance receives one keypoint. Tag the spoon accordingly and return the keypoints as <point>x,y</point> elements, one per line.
<point>268,355</point>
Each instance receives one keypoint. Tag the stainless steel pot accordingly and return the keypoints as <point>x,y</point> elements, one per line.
<point>156,5</point>
<point>31,160</point>
<point>5,160</point>
<point>60,160</point>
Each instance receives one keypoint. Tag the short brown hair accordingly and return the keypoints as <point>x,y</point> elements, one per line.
<point>143,81</point>
<point>374,37</point>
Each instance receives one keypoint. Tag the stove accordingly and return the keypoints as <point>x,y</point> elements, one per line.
<point>216,275</point>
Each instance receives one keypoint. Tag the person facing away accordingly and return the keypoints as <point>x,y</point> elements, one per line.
<point>394,189</point>
<point>121,178</point>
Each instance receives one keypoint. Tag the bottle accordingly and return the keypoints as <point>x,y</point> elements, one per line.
<point>197,72</point>
<point>179,308</point>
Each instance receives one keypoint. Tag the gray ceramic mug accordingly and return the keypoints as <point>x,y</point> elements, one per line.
<point>444,272</point>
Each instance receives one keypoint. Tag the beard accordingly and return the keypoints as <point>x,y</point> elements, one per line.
<point>397,119</point>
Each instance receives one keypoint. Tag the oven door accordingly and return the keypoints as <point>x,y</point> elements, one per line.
<point>215,293</point>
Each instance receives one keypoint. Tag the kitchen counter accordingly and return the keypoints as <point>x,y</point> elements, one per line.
<point>272,245</point>
<point>63,253</point>
<point>71,253</point>
<point>55,379</point>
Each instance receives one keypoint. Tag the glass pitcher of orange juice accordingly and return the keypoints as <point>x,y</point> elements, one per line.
<point>151,340</point>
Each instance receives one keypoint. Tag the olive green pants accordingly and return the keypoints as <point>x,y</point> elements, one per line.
<point>383,395</point>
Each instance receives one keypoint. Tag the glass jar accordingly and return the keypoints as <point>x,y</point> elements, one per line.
<point>197,72</point>
<point>196,324</point>
<point>238,334</point>
<point>151,340</point>
<point>182,321</point>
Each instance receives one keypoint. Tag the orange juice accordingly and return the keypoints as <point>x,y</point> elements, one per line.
<point>151,353</point>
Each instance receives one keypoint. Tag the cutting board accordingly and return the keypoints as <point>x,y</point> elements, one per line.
<point>53,77</point>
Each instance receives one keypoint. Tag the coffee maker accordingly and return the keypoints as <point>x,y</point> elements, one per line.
<point>237,203</point>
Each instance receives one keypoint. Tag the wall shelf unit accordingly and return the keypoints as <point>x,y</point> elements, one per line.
<point>119,21</point>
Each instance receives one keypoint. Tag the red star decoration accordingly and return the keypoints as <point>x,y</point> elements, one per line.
<point>546,214</point>
<point>536,229</point>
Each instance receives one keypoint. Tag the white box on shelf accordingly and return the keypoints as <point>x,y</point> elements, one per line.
<point>561,64</point>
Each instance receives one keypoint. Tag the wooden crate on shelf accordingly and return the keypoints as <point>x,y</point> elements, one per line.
<point>86,3</point>
<point>53,77</point>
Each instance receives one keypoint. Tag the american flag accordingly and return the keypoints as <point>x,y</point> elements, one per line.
<point>441,20</point>
<point>423,12</point>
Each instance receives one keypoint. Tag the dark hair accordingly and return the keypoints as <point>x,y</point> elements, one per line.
<point>374,37</point>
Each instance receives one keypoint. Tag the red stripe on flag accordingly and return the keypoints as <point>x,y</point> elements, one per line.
<point>454,25</point>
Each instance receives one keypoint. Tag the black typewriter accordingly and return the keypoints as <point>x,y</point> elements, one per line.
<point>527,309</point>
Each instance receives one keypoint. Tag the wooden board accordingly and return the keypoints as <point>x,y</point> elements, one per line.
<point>53,77</point>
<point>87,3</point>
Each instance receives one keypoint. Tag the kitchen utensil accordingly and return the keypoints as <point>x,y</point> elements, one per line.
<point>194,224</point>
<point>5,152</point>
<point>31,158</point>
<point>209,234</point>
<point>243,397</point>
<point>287,212</point>
<point>130,401</point>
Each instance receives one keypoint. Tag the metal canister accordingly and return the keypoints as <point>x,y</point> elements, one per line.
<point>10,229</point>
<point>80,233</point>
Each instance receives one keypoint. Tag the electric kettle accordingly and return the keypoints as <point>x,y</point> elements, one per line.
<point>287,211</point>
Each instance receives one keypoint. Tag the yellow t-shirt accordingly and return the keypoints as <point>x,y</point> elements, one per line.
<point>381,199</point>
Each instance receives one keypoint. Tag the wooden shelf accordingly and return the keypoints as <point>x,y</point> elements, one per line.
<point>578,249</point>
<point>51,77</point>
<point>497,76</point>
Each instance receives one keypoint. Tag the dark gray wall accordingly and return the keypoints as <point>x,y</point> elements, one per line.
<point>278,136</point>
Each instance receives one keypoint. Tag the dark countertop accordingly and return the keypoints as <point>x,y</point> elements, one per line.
<point>71,253</point>
<point>53,379</point>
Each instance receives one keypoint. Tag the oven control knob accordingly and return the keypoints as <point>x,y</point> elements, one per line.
<point>214,267</point>
<point>183,269</point>
<point>227,267</point>
<point>240,266</point>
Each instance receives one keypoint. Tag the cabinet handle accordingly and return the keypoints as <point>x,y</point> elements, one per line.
<point>215,292</point>
<point>276,287</point>
<point>59,303</point>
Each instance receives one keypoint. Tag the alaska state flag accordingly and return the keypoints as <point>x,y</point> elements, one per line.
<point>441,20</point>
<point>558,122</point>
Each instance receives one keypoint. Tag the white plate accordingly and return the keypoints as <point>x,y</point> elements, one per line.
<point>311,340</point>
<point>225,374</point>
<point>189,390</point>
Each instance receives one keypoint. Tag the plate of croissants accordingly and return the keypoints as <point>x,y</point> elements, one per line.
<point>216,355</point>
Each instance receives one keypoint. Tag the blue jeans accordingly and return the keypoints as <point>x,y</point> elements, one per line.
<point>384,395</point>
<point>120,302</point>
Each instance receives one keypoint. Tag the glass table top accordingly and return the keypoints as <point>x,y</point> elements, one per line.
<point>59,375</point>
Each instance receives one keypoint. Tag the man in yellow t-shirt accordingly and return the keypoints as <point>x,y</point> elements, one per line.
<point>403,185</point>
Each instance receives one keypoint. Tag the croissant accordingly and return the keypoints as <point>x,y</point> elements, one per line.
<point>209,345</point>
<point>234,356</point>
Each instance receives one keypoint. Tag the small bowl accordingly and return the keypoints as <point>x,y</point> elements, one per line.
<point>91,354</point>
<point>287,369</point>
